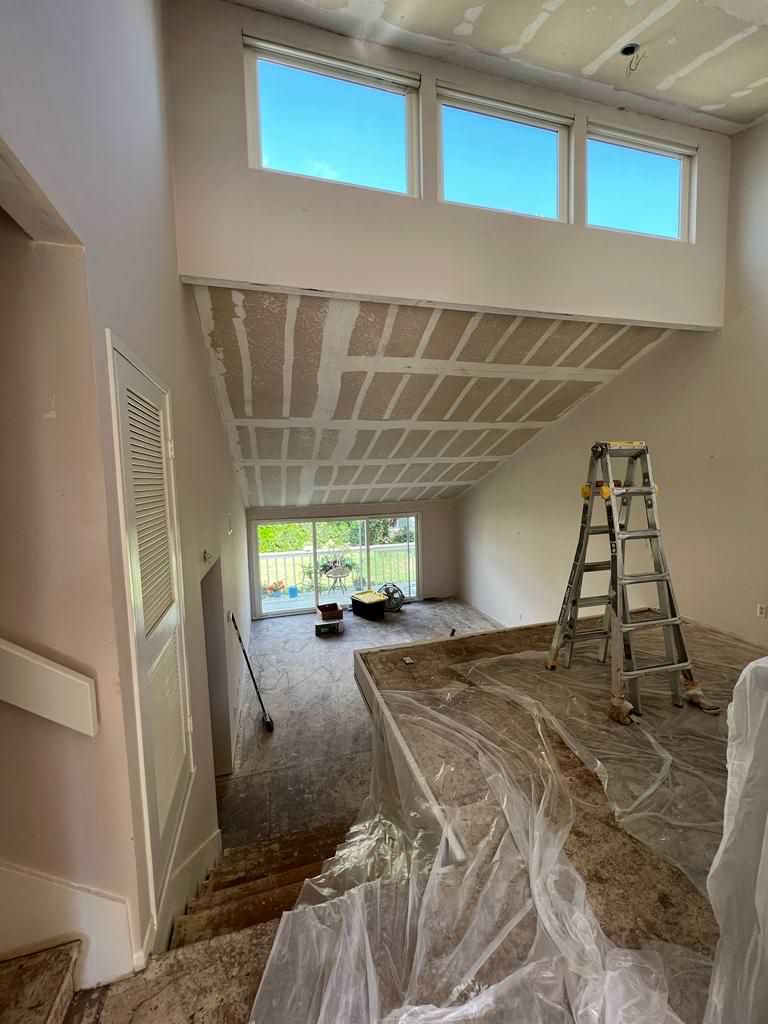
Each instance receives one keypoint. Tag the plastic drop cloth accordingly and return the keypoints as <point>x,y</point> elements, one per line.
<point>738,882</point>
<point>400,928</point>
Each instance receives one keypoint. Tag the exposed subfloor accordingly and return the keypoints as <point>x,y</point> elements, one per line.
<point>313,771</point>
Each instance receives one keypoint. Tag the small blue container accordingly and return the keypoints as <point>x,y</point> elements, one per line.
<point>293,591</point>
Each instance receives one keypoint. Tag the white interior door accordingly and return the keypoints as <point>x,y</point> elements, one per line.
<point>145,448</point>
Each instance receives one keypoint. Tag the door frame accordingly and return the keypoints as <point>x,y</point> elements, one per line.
<point>155,893</point>
<point>254,521</point>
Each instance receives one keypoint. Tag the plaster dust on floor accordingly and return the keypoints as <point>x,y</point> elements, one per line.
<point>519,856</point>
<point>313,771</point>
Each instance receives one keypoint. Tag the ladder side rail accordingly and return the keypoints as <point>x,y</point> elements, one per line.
<point>618,696</point>
<point>675,647</point>
<point>566,623</point>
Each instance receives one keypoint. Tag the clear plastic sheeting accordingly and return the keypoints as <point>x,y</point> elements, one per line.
<point>664,776</point>
<point>399,930</point>
<point>738,882</point>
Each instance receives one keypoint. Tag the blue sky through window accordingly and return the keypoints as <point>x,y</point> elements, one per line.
<point>330,128</point>
<point>633,190</point>
<point>501,164</point>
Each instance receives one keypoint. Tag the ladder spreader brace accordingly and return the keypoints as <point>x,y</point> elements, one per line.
<point>617,626</point>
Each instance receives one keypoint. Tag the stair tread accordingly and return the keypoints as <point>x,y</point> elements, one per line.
<point>37,988</point>
<point>252,887</point>
<point>218,978</point>
<point>247,863</point>
<point>234,915</point>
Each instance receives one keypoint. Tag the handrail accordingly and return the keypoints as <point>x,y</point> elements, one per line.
<point>45,688</point>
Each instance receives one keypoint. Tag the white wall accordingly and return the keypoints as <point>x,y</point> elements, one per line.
<point>244,225</point>
<point>82,107</point>
<point>440,534</point>
<point>701,402</point>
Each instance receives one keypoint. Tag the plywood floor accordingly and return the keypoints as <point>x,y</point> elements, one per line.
<point>313,771</point>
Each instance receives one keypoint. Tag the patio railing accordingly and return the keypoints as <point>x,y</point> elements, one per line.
<point>396,563</point>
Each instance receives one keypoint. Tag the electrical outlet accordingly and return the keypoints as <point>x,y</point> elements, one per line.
<point>762,611</point>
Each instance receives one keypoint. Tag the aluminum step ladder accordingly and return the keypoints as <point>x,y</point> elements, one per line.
<point>617,626</point>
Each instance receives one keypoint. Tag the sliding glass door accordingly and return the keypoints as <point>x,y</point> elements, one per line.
<point>286,567</point>
<point>340,558</point>
<point>392,553</point>
<point>300,564</point>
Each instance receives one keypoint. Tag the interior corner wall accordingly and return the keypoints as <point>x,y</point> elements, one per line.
<point>701,403</point>
<point>89,126</point>
<point>439,536</point>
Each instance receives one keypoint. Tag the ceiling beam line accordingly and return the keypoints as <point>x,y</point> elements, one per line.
<point>409,424</point>
<point>462,369</point>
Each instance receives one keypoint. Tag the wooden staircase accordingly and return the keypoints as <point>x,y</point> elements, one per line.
<point>219,947</point>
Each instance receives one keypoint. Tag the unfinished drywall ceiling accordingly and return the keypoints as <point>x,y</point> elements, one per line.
<point>337,400</point>
<point>697,58</point>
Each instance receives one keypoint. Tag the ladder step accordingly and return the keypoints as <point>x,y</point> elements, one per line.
<point>637,534</point>
<point>598,530</point>
<point>678,666</point>
<point>590,634</point>
<point>645,577</point>
<point>631,492</point>
<point>597,566</point>
<point>594,602</point>
<point>628,627</point>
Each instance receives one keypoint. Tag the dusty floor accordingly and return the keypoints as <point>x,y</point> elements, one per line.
<point>637,895</point>
<point>313,771</point>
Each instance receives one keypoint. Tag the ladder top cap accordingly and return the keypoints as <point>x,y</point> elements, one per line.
<point>623,444</point>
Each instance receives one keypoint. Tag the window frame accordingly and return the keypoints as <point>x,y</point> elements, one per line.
<point>687,156</point>
<point>559,123</point>
<point>402,83</point>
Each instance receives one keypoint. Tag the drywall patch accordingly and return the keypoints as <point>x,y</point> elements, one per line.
<point>407,330</point>
<point>411,443</point>
<point>307,347</point>
<point>368,329</point>
<point>410,399</point>
<point>502,400</point>
<point>351,383</point>
<point>594,341</point>
<point>483,340</point>
<point>386,443</point>
<point>264,322</point>
<point>527,404</point>
<point>442,399</point>
<point>702,58</point>
<point>548,8</point>
<point>380,392</point>
<point>527,333</point>
<point>447,333</point>
<point>563,399</point>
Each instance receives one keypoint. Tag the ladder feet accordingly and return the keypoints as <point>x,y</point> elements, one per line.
<point>550,665</point>
<point>695,695</point>
<point>620,710</point>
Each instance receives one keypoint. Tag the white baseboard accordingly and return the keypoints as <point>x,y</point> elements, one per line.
<point>41,910</point>
<point>183,885</point>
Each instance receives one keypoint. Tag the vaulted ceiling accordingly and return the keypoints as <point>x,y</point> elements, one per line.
<point>702,60</point>
<point>333,400</point>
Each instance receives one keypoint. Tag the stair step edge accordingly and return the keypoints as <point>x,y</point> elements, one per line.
<point>253,886</point>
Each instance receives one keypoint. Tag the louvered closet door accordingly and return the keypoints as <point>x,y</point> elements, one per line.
<point>144,442</point>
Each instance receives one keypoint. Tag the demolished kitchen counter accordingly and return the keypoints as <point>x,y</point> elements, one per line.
<point>519,852</point>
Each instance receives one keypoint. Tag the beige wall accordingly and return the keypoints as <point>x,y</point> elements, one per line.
<point>56,592</point>
<point>700,402</point>
<point>243,225</point>
<point>89,126</point>
<point>440,535</point>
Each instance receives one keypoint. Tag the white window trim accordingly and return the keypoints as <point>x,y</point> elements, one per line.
<point>686,154</point>
<point>560,123</point>
<point>400,82</point>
